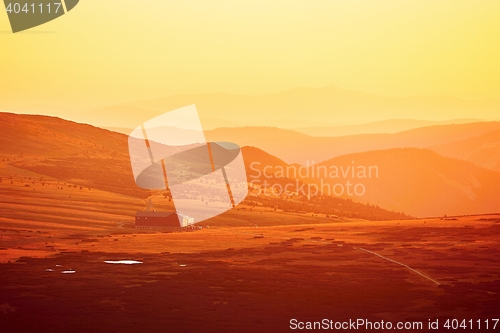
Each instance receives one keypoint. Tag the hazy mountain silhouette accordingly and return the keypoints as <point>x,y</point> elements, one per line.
<point>263,159</point>
<point>384,126</point>
<point>483,150</point>
<point>419,182</point>
<point>415,181</point>
<point>294,147</point>
<point>299,107</point>
<point>247,136</point>
<point>42,146</point>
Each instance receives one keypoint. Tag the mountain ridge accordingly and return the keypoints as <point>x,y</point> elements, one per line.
<point>328,105</point>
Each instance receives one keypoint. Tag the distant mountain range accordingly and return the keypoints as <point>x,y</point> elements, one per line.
<point>384,126</point>
<point>419,182</point>
<point>294,147</point>
<point>327,105</point>
<point>416,181</point>
<point>296,108</point>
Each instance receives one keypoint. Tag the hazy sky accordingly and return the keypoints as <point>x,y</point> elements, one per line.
<point>104,52</point>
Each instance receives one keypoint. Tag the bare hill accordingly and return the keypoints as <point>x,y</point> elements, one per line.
<point>483,150</point>
<point>53,170</point>
<point>417,181</point>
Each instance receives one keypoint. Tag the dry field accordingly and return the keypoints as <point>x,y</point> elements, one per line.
<point>224,279</point>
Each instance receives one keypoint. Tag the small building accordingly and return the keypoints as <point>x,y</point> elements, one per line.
<point>157,220</point>
<point>185,220</point>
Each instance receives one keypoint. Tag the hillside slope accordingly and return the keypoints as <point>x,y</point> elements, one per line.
<point>52,164</point>
<point>416,181</point>
<point>68,151</point>
<point>483,150</point>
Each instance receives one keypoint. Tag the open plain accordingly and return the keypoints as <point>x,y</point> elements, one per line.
<point>251,278</point>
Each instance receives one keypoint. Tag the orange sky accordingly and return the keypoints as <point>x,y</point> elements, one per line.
<point>106,52</point>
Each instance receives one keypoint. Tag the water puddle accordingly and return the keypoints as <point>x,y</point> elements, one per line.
<point>123,262</point>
